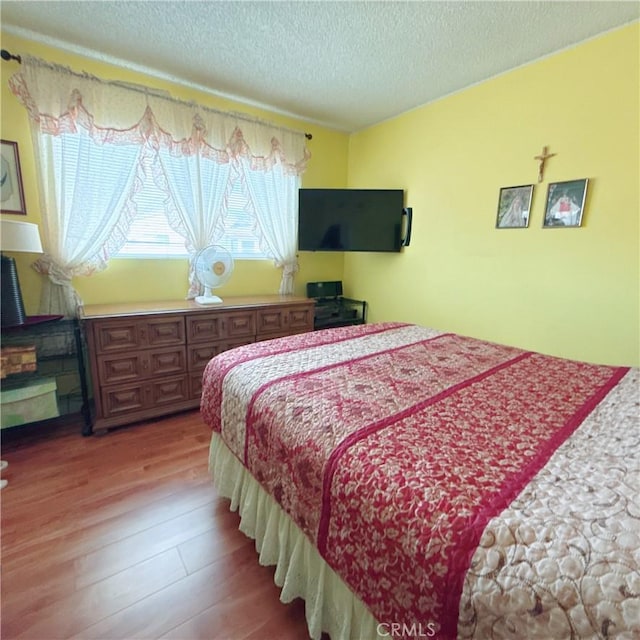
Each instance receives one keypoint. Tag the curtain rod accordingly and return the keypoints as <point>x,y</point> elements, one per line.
<point>9,56</point>
<point>6,55</point>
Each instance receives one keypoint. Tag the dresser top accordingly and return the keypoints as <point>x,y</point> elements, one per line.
<point>181,306</point>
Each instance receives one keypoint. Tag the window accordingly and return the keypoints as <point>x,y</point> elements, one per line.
<point>150,235</point>
<point>240,238</point>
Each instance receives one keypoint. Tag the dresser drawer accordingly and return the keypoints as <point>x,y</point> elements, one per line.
<point>123,399</point>
<point>200,354</point>
<point>134,397</point>
<point>164,362</point>
<point>271,321</point>
<point>116,368</point>
<point>116,335</point>
<point>132,333</point>
<point>158,332</point>
<point>208,327</point>
<point>240,324</point>
<point>300,318</point>
<point>282,321</point>
<point>169,391</point>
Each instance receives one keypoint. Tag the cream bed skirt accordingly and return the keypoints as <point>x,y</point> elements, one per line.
<point>330,605</point>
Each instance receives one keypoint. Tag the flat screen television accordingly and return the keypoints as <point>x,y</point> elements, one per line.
<point>350,219</point>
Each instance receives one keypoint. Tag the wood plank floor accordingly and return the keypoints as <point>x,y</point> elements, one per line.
<point>123,536</point>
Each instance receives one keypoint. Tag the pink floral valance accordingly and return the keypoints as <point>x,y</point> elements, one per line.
<point>61,101</point>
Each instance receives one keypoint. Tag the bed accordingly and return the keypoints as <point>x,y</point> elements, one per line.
<point>412,483</point>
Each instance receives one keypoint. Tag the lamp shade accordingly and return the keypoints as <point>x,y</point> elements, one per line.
<point>20,236</point>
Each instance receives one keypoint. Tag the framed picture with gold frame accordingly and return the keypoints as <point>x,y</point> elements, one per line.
<point>565,204</point>
<point>514,207</point>
<point>11,191</point>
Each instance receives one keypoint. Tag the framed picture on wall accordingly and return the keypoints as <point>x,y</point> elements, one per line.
<point>514,207</point>
<point>565,204</point>
<point>11,192</point>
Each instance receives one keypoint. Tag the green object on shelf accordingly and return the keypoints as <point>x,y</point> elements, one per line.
<point>30,403</point>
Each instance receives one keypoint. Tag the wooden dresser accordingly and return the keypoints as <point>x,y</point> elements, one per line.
<point>147,359</point>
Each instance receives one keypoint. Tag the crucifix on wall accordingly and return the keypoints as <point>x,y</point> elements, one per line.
<point>542,158</point>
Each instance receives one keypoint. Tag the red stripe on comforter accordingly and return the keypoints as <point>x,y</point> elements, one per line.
<point>409,502</point>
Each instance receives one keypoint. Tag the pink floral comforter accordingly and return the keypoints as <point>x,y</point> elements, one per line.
<point>398,450</point>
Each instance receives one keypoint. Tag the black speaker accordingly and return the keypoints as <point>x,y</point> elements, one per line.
<point>330,289</point>
<point>12,310</point>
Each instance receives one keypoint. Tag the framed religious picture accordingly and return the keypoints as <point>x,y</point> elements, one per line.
<point>11,192</point>
<point>514,207</point>
<point>565,204</point>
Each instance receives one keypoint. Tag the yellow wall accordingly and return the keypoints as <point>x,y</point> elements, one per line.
<point>570,292</point>
<point>129,280</point>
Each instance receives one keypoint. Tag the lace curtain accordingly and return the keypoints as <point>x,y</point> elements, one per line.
<point>196,187</point>
<point>96,141</point>
<point>269,191</point>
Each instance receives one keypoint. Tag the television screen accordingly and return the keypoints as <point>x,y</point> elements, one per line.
<point>350,219</point>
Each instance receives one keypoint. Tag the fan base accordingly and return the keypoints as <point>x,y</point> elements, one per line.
<point>208,300</point>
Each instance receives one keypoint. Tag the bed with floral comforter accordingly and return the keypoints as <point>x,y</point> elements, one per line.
<point>457,488</point>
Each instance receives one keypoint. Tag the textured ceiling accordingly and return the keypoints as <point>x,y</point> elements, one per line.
<point>345,65</point>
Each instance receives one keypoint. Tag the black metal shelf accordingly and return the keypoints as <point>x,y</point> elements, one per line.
<point>60,354</point>
<point>339,312</point>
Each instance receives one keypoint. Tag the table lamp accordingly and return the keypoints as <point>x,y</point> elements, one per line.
<point>19,237</point>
